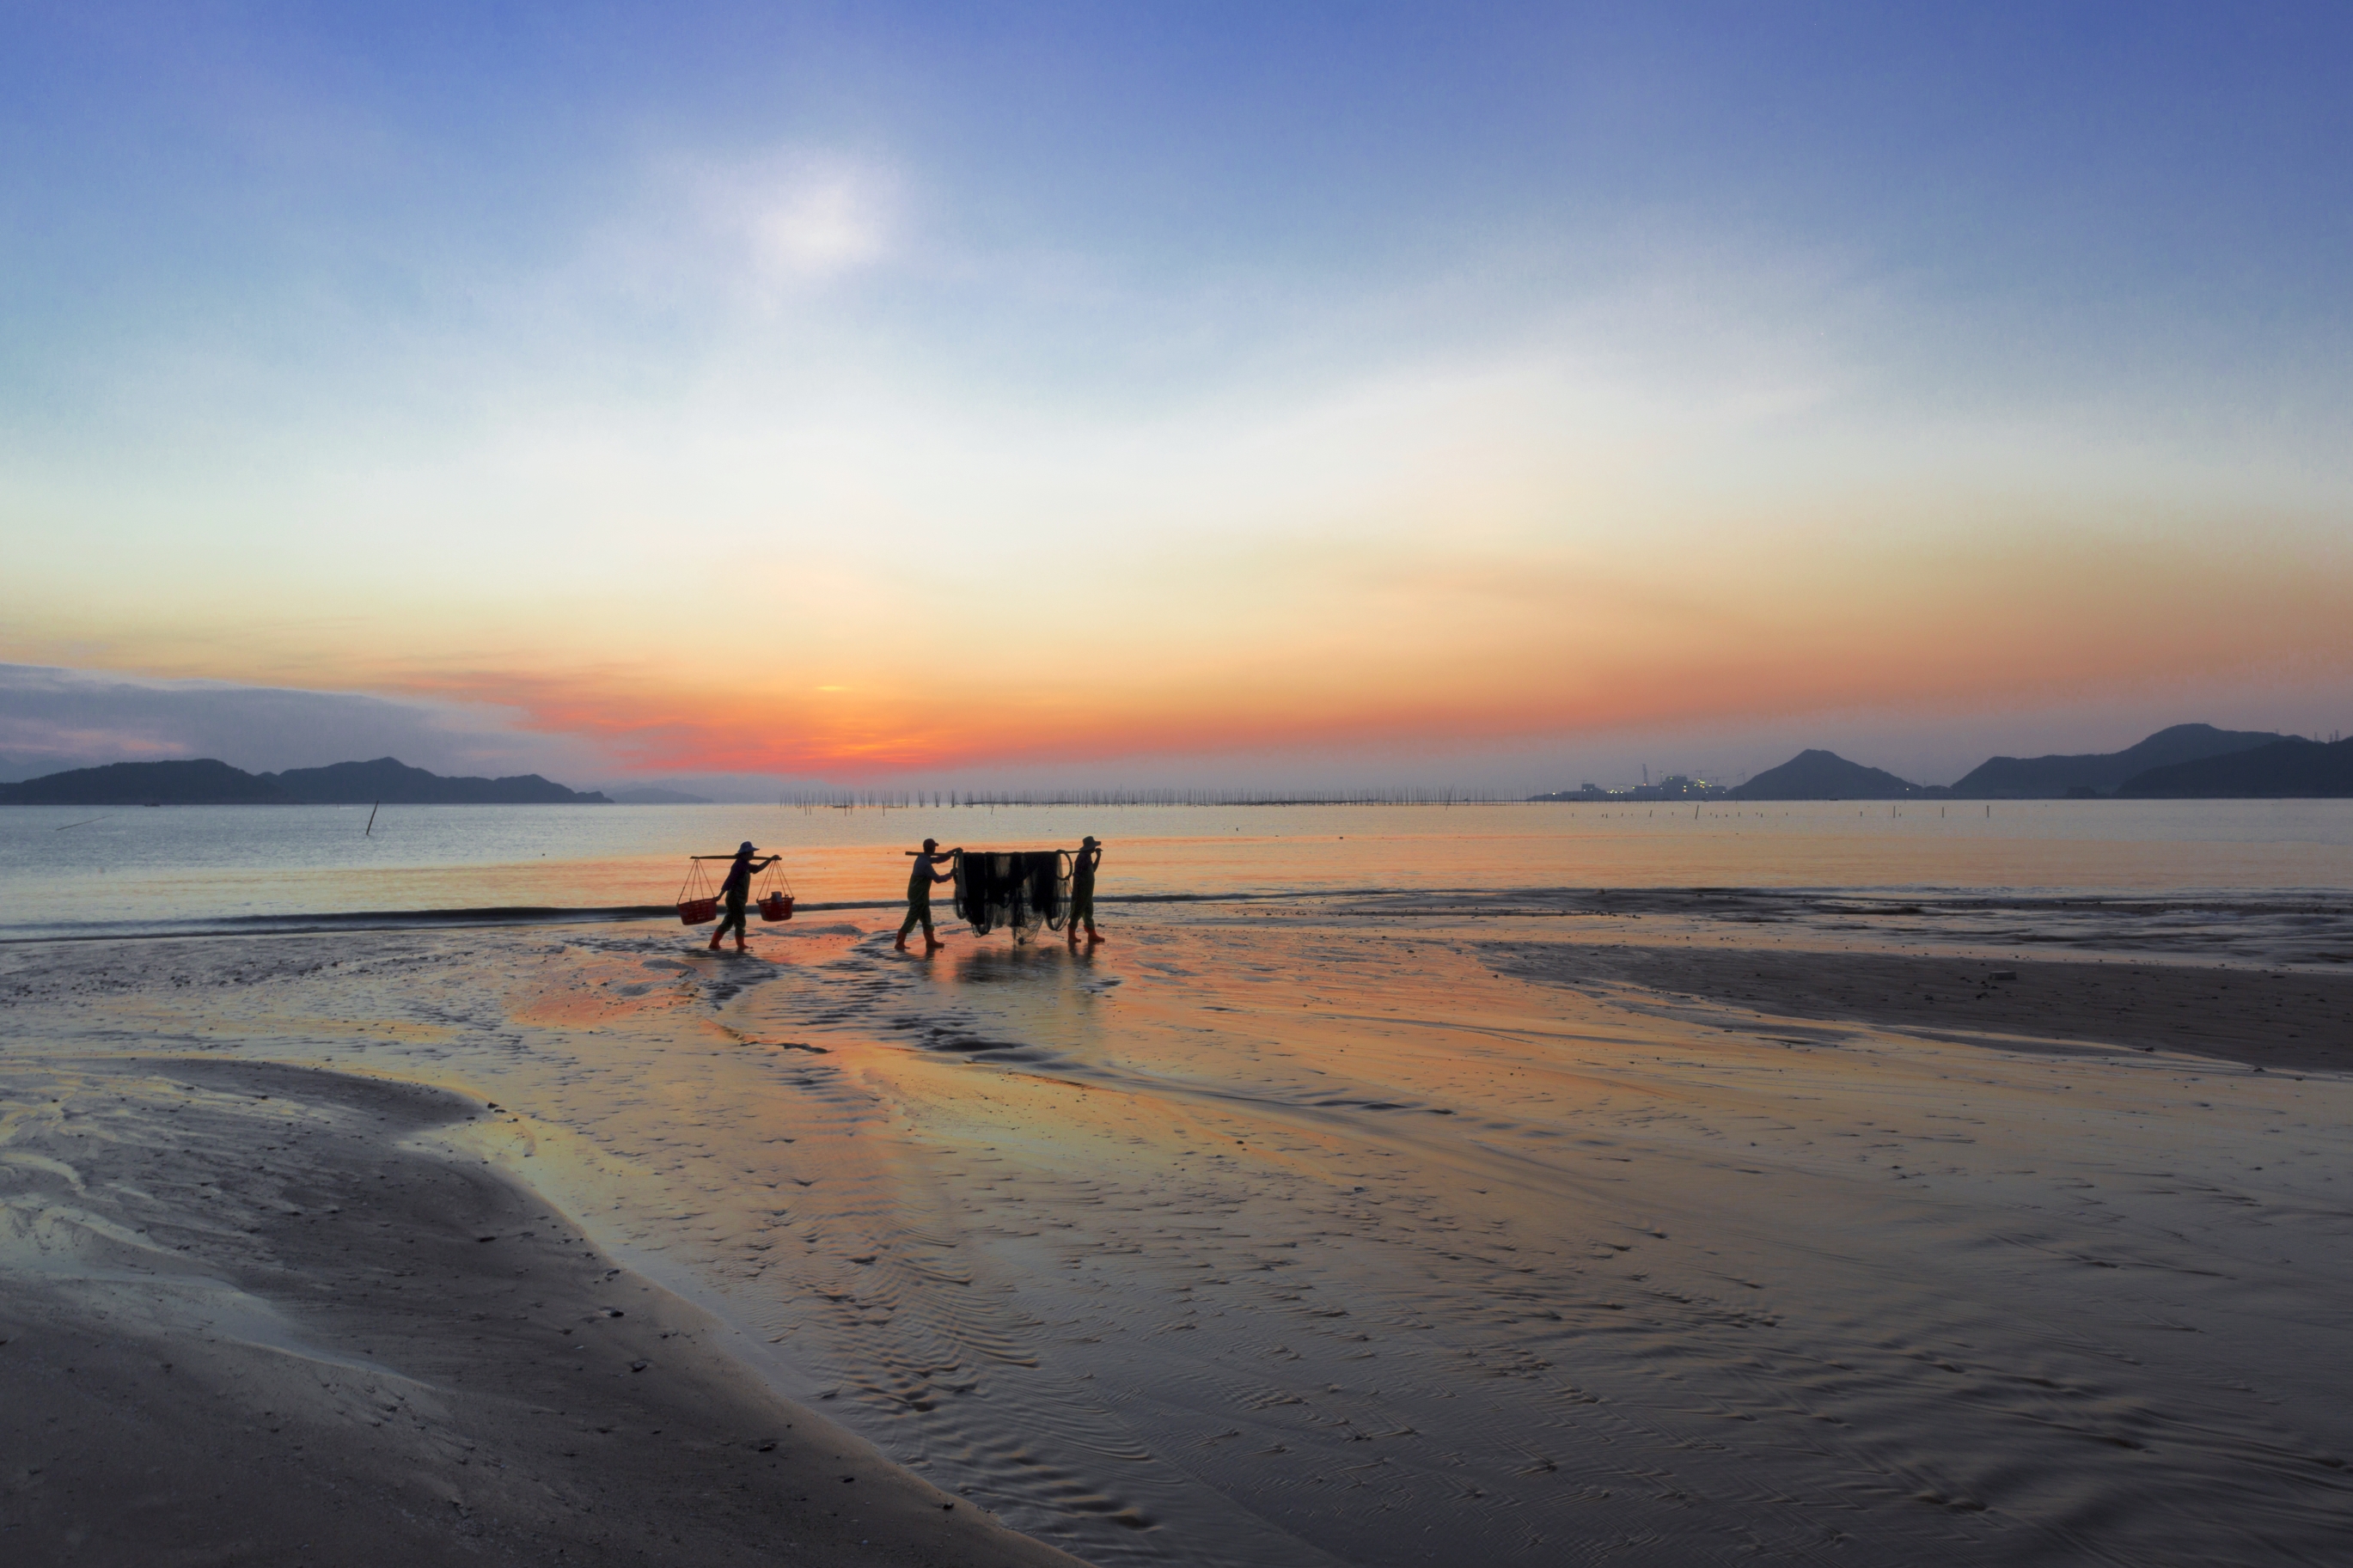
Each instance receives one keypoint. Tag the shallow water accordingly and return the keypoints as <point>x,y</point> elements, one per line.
<point>1292,1229</point>
<point>66,870</point>
<point>1297,1232</point>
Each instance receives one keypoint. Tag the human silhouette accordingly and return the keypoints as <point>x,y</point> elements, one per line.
<point>1083,890</point>
<point>918,892</point>
<point>737,891</point>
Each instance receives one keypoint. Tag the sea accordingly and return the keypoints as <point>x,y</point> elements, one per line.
<point>67,872</point>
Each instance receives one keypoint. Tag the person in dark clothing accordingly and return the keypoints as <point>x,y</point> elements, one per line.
<point>1083,890</point>
<point>737,891</point>
<point>919,891</point>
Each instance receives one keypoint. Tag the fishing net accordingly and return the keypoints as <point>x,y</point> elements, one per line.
<point>1018,888</point>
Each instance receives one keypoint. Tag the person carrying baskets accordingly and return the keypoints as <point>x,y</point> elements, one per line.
<point>918,892</point>
<point>737,891</point>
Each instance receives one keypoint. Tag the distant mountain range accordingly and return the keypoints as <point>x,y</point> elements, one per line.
<point>2294,768</point>
<point>2187,762</point>
<point>2043,778</point>
<point>209,782</point>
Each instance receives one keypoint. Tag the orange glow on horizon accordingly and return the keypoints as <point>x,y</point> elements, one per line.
<point>1437,639</point>
<point>1427,660</point>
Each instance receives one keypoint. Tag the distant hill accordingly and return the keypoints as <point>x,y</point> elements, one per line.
<point>211,782</point>
<point>654,794</point>
<point>2293,768</point>
<point>1824,776</point>
<point>206,783</point>
<point>388,780</point>
<point>2050,778</point>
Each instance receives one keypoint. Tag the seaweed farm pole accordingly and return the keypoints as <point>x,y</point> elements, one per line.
<point>369,831</point>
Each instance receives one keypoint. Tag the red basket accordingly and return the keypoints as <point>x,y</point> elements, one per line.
<point>697,912</point>
<point>777,906</point>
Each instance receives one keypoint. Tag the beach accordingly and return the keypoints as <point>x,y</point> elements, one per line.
<point>1541,1226</point>
<point>250,1317</point>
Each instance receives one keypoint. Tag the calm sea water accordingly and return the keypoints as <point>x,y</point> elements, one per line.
<point>66,870</point>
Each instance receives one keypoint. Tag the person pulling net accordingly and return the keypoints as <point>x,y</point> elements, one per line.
<point>1080,904</point>
<point>919,891</point>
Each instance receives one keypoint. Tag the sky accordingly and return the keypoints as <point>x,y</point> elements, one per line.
<point>1235,394</point>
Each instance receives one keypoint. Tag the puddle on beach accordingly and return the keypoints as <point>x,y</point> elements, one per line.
<point>1287,1234</point>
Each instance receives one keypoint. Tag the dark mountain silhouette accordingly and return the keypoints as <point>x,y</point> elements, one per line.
<point>1824,776</point>
<point>2050,778</point>
<point>205,782</point>
<point>654,794</point>
<point>388,780</point>
<point>2288,769</point>
<point>211,782</point>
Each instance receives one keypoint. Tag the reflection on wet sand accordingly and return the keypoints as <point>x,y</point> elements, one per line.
<point>1333,1232</point>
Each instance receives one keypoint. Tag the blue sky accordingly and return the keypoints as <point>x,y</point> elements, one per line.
<point>398,351</point>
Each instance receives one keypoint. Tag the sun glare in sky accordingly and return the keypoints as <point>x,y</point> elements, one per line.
<point>890,391</point>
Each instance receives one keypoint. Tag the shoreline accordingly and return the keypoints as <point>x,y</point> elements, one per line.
<point>495,917</point>
<point>246,1314</point>
<point>2300,929</point>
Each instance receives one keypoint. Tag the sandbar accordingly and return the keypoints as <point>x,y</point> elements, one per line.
<point>247,1318</point>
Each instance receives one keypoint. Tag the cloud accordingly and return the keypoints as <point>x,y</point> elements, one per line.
<point>819,223</point>
<point>692,250</point>
<point>797,217</point>
<point>53,718</point>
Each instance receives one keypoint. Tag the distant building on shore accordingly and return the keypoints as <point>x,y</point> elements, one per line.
<point>1674,786</point>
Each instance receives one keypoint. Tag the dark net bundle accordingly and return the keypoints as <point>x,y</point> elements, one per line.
<point>1022,889</point>
<point>983,898</point>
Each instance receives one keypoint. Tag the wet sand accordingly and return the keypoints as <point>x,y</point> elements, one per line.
<point>247,1318</point>
<point>1332,1232</point>
<point>2279,1020</point>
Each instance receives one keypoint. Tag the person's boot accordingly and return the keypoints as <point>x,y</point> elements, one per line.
<point>1093,935</point>
<point>901,944</point>
<point>714,942</point>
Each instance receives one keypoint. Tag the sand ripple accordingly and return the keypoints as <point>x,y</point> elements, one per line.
<point>1338,1233</point>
